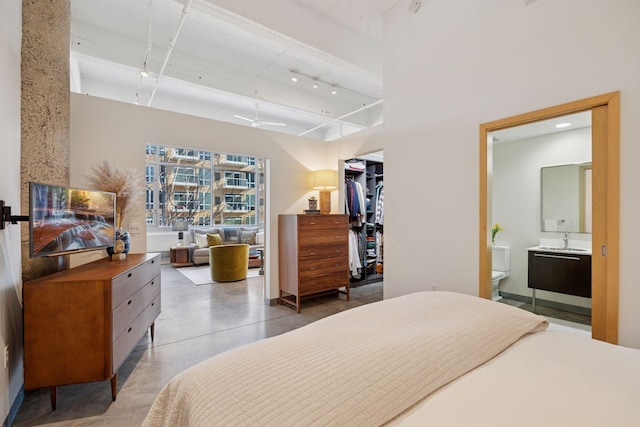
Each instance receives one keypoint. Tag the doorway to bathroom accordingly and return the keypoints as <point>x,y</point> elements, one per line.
<point>605,203</point>
<point>543,167</point>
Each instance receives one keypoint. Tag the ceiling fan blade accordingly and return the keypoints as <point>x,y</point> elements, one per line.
<point>273,124</point>
<point>243,118</point>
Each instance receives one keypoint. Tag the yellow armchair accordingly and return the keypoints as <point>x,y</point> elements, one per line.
<point>229,263</point>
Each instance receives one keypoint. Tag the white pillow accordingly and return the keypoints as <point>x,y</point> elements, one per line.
<point>201,240</point>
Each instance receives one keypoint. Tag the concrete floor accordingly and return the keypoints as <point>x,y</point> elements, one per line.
<point>196,323</point>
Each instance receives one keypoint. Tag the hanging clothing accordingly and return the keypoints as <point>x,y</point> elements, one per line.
<point>362,203</point>
<point>355,266</point>
<point>379,218</point>
<point>355,204</point>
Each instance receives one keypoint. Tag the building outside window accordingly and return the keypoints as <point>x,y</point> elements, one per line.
<point>180,187</point>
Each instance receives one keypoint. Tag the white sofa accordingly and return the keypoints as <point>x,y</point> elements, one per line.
<point>251,235</point>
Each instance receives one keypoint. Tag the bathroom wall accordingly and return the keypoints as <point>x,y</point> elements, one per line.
<point>516,200</point>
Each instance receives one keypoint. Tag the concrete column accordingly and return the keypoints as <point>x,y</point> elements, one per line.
<point>45,111</point>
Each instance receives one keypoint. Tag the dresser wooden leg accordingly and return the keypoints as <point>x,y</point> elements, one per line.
<point>153,331</point>
<point>52,392</point>
<point>114,386</point>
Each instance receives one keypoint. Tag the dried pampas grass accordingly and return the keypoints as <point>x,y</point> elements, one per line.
<point>128,184</point>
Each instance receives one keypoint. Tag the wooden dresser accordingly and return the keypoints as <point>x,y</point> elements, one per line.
<point>313,256</point>
<point>81,324</point>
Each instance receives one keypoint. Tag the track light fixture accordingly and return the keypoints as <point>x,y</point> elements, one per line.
<point>316,82</point>
<point>144,72</point>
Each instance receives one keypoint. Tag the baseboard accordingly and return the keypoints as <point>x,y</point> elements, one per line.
<point>271,302</point>
<point>546,303</point>
<point>13,411</point>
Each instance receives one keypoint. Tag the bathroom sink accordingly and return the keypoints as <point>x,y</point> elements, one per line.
<point>552,248</point>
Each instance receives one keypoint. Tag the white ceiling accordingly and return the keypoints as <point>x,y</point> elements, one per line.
<point>222,57</point>
<point>542,127</point>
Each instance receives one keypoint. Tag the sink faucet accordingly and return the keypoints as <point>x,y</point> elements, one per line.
<point>565,240</point>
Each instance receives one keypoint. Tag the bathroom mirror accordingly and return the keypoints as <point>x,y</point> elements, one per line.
<point>565,198</point>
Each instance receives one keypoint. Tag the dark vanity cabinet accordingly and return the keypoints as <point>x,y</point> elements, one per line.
<point>564,272</point>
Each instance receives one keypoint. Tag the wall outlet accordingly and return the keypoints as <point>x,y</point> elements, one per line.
<point>6,356</point>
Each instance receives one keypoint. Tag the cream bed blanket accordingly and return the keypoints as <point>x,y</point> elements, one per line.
<point>363,366</point>
<point>550,379</point>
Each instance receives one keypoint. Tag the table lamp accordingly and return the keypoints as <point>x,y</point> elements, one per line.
<point>325,180</point>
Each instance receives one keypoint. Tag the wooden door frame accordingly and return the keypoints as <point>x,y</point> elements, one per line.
<point>606,203</point>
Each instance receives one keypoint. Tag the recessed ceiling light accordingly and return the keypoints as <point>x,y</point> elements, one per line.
<point>563,125</point>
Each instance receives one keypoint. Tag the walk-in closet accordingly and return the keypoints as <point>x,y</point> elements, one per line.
<point>364,203</point>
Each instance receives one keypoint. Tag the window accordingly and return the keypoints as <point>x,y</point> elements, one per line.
<point>205,202</point>
<point>250,199</point>
<point>150,174</point>
<point>180,186</point>
<point>235,180</point>
<point>234,203</point>
<point>184,176</point>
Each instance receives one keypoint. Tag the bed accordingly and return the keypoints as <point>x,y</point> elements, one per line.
<point>429,358</point>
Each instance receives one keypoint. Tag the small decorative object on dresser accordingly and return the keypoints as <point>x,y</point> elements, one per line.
<point>122,245</point>
<point>313,256</point>
<point>313,207</point>
<point>313,204</point>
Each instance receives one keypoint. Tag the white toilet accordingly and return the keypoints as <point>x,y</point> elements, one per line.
<point>500,268</point>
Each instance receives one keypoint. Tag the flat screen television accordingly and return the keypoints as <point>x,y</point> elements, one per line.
<point>64,220</point>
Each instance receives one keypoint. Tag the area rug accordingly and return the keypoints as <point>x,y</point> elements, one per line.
<point>202,275</point>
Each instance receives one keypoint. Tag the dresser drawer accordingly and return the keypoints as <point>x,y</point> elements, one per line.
<point>314,284</point>
<point>330,237</point>
<point>324,266</point>
<point>130,282</point>
<point>308,253</point>
<point>150,291</point>
<point>322,222</point>
<point>125,313</point>
<point>132,332</point>
<point>151,312</point>
<point>126,341</point>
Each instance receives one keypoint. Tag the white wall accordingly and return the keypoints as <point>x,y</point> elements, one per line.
<point>516,200</point>
<point>11,379</point>
<point>457,64</point>
<point>103,129</point>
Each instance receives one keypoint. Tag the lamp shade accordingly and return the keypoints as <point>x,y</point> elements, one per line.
<point>325,179</point>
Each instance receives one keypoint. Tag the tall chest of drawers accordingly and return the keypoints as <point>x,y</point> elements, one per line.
<point>313,256</point>
<point>81,324</point>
